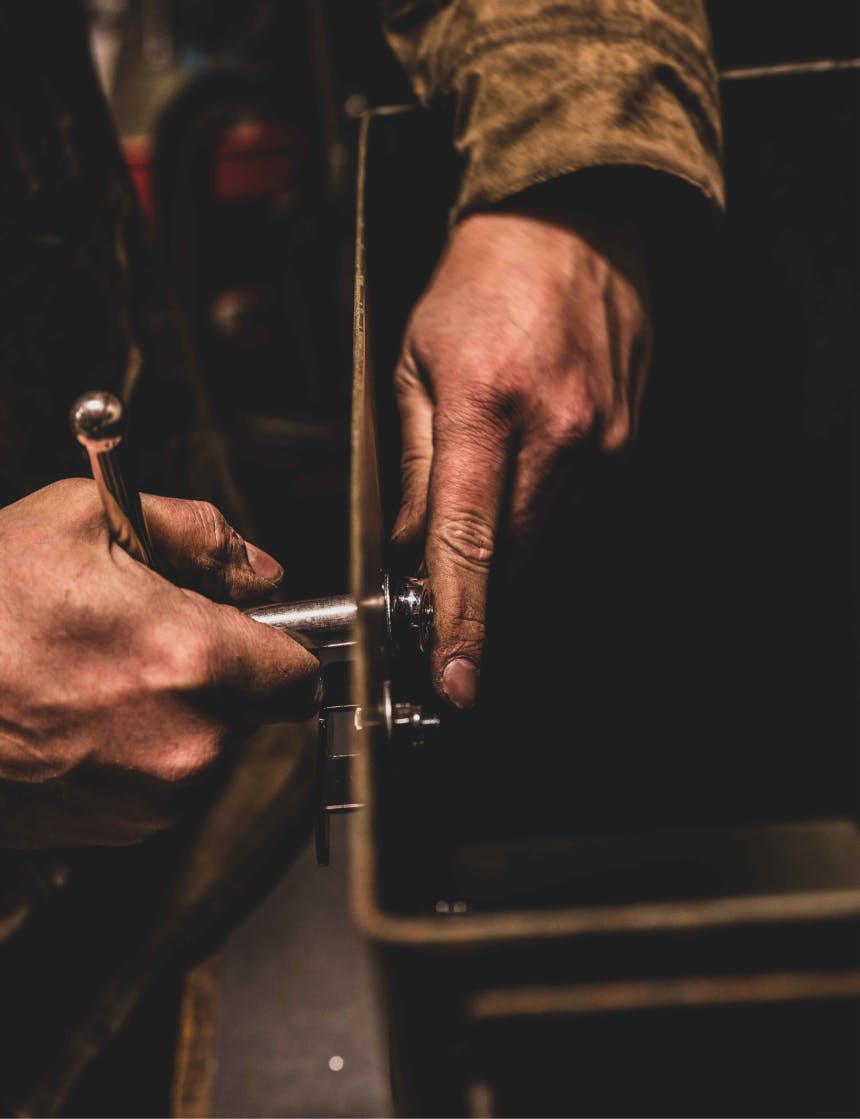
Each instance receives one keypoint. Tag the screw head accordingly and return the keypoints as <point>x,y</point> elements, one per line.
<point>411,616</point>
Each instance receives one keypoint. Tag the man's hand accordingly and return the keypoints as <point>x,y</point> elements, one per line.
<point>530,344</point>
<point>119,690</point>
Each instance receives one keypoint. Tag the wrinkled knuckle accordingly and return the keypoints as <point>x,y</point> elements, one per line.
<point>414,468</point>
<point>406,378</point>
<point>413,458</point>
<point>503,403</point>
<point>219,535</point>
<point>490,405</point>
<point>468,632</point>
<point>570,426</point>
<point>468,539</point>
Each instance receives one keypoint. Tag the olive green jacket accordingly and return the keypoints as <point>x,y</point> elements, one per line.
<point>540,89</point>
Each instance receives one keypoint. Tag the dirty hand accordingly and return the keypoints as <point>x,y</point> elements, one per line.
<point>530,344</point>
<point>118,689</point>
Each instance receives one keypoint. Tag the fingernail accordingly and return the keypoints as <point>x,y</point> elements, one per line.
<point>402,520</point>
<point>460,682</point>
<point>264,565</point>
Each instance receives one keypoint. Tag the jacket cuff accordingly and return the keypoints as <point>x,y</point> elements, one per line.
<point>539,98</point>
<point>595,105</point>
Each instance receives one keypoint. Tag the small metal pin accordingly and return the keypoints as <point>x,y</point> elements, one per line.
<point>98,422</point>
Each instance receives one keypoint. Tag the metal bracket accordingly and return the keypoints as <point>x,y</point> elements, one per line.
<point>335,751</point>
<point>408,728</point>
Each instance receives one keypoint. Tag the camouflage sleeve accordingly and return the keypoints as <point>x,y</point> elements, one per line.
<point>542,88</point>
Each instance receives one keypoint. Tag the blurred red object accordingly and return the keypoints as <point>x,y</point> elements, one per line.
<point>138,156</point>
<point>253,159</point>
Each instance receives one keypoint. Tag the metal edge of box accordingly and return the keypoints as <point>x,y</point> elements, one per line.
<point>480,929</point>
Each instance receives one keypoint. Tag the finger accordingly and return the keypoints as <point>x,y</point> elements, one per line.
<point>467,487</point>
<point>416,425</point>
<point>264,674</point>
<point>535,482</point>
<point>205,553</point>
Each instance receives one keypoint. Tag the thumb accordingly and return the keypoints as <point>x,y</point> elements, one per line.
<point>205,553</point>
<point>267,674</point>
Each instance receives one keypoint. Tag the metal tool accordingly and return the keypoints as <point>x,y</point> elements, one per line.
<point>98,422</point>
<point>323,625</point>
<point>326,626</point>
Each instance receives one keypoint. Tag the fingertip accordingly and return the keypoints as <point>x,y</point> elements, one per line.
<point>319,692</point>
<point>401,522</point>
<point>310,664</point>
<point>297,690</point>
<point>460,682</point>
<point>410,524</point>
<point>304,690</point>
<point>263,565</point>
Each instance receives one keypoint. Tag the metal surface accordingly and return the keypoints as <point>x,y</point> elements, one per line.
<point>323,625</point>
<point>409,614</point>
<point>300,1030</point>
<point>411,726</point>
<point>371,686</point>
<point>326,625</point>
<point>98,422</point>
<point>335,754</point>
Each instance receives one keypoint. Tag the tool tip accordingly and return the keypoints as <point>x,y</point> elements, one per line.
<point>98,417</point>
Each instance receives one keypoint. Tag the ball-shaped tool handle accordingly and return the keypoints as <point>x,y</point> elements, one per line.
<point>98,422</point>
<point>98,419</point>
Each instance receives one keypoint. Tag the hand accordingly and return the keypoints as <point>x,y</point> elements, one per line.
<point>531,343</point>
<point>119,691</point>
